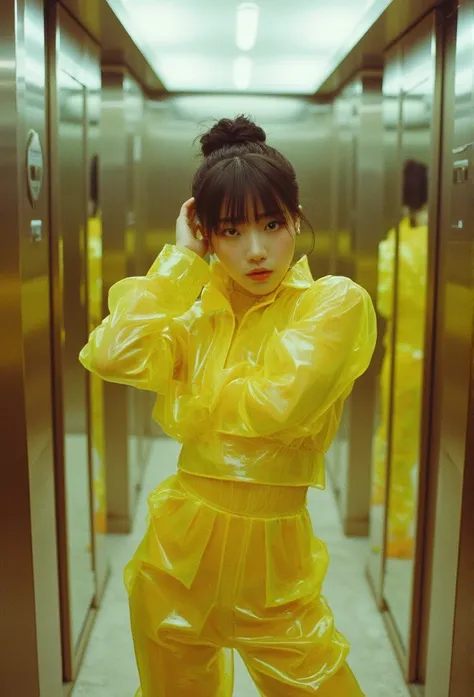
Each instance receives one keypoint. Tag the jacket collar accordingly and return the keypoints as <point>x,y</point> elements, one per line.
<point>216,294</point>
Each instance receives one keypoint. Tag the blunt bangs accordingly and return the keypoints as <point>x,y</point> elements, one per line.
<point>238,186</point>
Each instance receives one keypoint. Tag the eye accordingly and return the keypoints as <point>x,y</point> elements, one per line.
<point>229,232</point>
<point>275,225</point>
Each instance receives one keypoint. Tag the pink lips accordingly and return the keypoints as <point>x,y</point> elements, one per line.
<point>260,274</point>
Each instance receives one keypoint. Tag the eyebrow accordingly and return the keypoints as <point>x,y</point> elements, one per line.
<point>260,216</point>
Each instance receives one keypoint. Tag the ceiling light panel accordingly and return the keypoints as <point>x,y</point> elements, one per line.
<point>243,72</point>
<point>194,46</point>
<point>246,25</point>
<point>207,106</point>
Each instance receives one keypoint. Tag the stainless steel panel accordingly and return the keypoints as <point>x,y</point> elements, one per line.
<point>408,265</point>
<point>36,318</point>
<point>29,602</point>
<point>450,669</point>
<point>345,124</point>
<point>358,121</point>
<point>72,172</point>
<point>114,197</point>
<point>75,104</point>
<point>124,220</point>
<point>94,274</point>
<point>134,107</point>
<point>412,339</point>
<point>382,363</point>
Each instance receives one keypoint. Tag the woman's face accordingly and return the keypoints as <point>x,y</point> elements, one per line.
<point>257,254</point>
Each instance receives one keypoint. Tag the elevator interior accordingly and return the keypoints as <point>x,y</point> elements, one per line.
<point>77,303</point>
<point>97,229</point>
<point>406,255</point>
<point>357,174</point>
<point>100,133</point>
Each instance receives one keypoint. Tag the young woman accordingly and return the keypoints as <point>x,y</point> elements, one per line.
<point>408,356</point>
<point>251,379</point>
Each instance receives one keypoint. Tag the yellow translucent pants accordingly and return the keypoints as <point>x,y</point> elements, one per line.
<point>233,566</point>
<point>405,444</point>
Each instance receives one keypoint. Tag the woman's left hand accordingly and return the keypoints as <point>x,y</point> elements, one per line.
<point>188,230</point>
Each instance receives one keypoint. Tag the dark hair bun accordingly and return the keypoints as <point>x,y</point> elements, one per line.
<point>228,132</point>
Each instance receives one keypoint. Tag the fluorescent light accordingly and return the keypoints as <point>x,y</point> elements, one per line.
<point>246,25</point>
<point>290,75</point>
<point>199,108</point>
<point>242,72</point>
<point>192,71</point>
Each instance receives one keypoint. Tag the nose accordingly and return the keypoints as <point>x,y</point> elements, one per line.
<point>257,248</point>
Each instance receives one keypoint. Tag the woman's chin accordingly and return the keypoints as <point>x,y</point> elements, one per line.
<point>258,286</point>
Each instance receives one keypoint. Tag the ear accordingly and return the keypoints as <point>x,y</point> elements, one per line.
<point>198,231</point>
<point>208,237</point>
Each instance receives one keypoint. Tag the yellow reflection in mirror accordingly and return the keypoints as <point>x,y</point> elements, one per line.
<point>408,358</point>
<point>96,397</point>
<point>408,368</point>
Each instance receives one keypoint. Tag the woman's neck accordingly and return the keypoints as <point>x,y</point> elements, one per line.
<point>241,300</point>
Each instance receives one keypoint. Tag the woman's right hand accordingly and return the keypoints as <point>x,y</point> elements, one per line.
<point>189,232</point>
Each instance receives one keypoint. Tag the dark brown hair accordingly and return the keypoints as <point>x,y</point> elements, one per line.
<point>238,168</point>
<point>415,185</point>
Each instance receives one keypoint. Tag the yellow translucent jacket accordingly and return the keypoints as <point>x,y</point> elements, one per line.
<point>411,285</point>
<point>258,402</point>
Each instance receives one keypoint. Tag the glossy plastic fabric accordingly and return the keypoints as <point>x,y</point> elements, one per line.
<point>409,340</point>
<point>245,573</point>
<point>229,558</point>
<point>96,387</point>
<point>411,294</point>
<point>260,402</point>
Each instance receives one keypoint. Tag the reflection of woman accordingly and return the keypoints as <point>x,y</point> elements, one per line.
<point>251,379</point>
<point>411,294</point>
<point>94,285</point>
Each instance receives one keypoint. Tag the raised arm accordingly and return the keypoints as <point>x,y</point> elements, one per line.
<point>306,367</point>
<point>142,341</point>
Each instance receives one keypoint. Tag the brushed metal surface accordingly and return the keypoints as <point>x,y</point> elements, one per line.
<point>124,224</point>
<point>417,143</point>
<point>450,666</point>
<point>75,113</point>
<point>403,485</point>
<point>73,222</point>
<point>358,229</point>
<point>383,400</point>
<point>136,221</point>
<point>35,299</point>
<point>29,597</point>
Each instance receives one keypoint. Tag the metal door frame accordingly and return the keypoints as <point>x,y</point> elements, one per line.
<point>412,658</point>
<point>58,23</point>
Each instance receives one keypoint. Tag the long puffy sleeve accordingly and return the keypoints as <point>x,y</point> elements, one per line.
<point>142,341</point>
<point>306,367</point>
